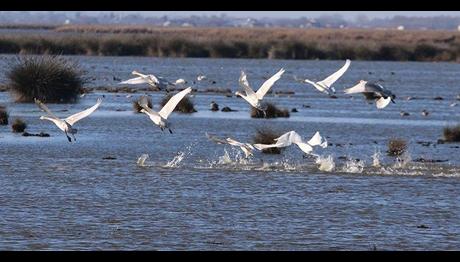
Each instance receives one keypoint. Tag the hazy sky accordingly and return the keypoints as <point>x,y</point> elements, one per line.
<point>293,14</point>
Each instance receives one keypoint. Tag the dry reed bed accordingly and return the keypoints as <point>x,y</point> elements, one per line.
<point>274,43</point>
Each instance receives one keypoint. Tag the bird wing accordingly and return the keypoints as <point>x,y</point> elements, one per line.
<point>245,84</point>
<point>144,103</point>
<point>78,116</point>
<point>374,87</point>
<point>151,79</point>
<point>264,146</point>
<point>382,102</point>
<point>45,108</point>
<point>335,76</point>
<point>282,141</point>
<point>315,140</point>
<point>359,88</point>
<point>216,139</point>
<point>300,80</point>
<point>233,142</point>
<point>268,84</point>
<point>172,103</point>
<point>286,139</point>
<point>134,81</point>
<point>247,148</point>
<point>305,147</point>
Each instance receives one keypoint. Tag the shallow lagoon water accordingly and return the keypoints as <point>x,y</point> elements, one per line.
<point>193,194</point>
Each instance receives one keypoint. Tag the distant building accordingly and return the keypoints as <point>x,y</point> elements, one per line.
<point>400,28</point>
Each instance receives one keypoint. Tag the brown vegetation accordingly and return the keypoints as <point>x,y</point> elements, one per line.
<point>282,43</point>
<point>18,126</point>
<point>271,112</point>
<point>267,136</point>
<point>3,116</point>
<point>184,106</point>
<point>396,147</point>
<point>452,134</point>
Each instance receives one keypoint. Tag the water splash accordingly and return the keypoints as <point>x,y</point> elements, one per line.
<point>326,164</point>
<point>354,166</point>
<point>225,159</point>
<point>403,160</point>
<point>141,160</point>
<point>376,158</point>
<point>176,160</point>
<point>180,156</point>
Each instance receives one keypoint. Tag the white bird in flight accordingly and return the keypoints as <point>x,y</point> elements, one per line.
<point>245,147</point>
<point>66,124</point>
<point>373,91</point>
<point>255,98</point>
<point>325,85</point>
<point>160,118</point>
<point>148,79</point>
<point>292,137</point>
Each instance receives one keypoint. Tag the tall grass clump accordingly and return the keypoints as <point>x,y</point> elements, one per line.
<point>184,106</point>
<point>267,136</point>
<point>452,133</point>
<point>396,147</point>
<point>51,79</point>
<point>271,112</point>
<point>3,116</point>
<point>137,108</point>
<point>18,126</point>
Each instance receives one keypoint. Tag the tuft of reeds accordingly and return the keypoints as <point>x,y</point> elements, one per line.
<point>51,79</point>
<point>3,116</point>
<point>271,112</point>
<point>396,147</point>
<point>452,133</point>
<point>184,106</point>
<point>18,126</point>
<point>137,108</point>
<point>267,135</point>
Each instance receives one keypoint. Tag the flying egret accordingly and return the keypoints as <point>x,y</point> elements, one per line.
<point>292,137</point>
<point>152,80</point>
<point>255,98</point>
<point>325,85</point>
<point>373,91</point>
<point>245,147</point>
<point>66,124</point>
<point>160,118</point>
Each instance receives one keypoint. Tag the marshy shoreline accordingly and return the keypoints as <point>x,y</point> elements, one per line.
<point>255,43</point>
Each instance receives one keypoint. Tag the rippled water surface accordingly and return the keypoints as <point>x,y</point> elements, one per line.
<point>193,194</point>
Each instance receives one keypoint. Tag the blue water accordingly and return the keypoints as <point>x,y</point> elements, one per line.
<point>55,195</point>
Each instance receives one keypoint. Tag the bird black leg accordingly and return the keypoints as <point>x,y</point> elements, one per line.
<point>68,137</point>
<point>170,131</point>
